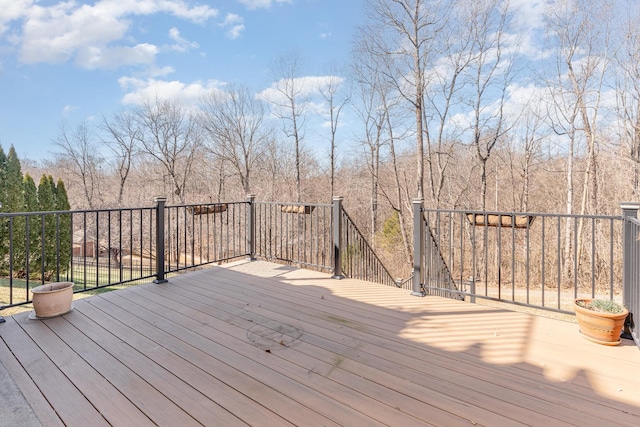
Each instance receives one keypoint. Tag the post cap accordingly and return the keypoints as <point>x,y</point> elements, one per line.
<point>630,205</point>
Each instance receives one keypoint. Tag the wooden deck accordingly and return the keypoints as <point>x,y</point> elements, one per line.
<point>267,345</point>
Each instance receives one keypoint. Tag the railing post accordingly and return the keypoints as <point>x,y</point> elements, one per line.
<point>160,202</point>
<point>251,227</point>
<point>337,238</point>
<point>418,244</point>
<point>629,264</point>
<point>10,290</point>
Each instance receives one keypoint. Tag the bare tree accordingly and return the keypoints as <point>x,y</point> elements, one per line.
<point>489,74</point>
<point>369,109</point>
<point>444,96</point>
<point>235,121</point>
<point>628,97</point>
<point>523,154</point>
<point>123,133</point>
<point>290,105</point>
<point>169,134</point>
<point>334,103</point>
<point>80,152</point>
<point>401,35</point>
<point>578,31</point>
<point>401,206</point>
<point>277,156</point>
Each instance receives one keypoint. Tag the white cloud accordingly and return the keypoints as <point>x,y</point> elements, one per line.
<point>139,91</point>
<point>308,92</point>
<point>182,44</point>
<point>177,8</point>
<point>262,4</point>
<point>161,72</point>
<point>305,87</point>
<point>94,35</point>
<point>325,35</point>
<point>529,13</point>
<point>68,109</point>
<point>235,32</point>
<point>234,25</point>
<point>12,10</point>
<point>96,57</point>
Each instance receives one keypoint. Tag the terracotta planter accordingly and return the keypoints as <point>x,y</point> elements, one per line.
<point>506,220</point>
<point>207,209</point>
<point>602,328</point>
<point>298,209</point>
<point>52,299</point>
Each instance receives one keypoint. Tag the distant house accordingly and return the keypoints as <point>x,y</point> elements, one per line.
<point>83,246</point>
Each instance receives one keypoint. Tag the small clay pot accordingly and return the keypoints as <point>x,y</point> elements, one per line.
<point>602,328</point>
<point>52,299</point>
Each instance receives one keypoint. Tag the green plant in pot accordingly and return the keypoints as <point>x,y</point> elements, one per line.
<point>600,320</point>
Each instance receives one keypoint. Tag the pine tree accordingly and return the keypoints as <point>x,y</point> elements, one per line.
<point>3,168</point>
<point>12,183</point>
<point>30,204</point>
<point>30,195</point>
<point>65,231</point>
<point>12,201</point>
<point>47,203</point>
<point>4,223</point>
<point>22,236</point>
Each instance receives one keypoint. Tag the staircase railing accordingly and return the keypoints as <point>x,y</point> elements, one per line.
<point>431,273</point>
<point>359,260</point>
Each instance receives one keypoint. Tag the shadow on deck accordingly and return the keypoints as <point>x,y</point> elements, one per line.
<point>263,344</point>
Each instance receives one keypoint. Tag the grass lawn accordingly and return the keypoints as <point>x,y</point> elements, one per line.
<point>102,277</point>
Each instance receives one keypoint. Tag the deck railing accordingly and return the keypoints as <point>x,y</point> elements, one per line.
<point>92,248</point>
<point>197,235</point>
<point>533,259</point>
<point>294,233</point>
<point>100,248</point>
<point>359,260</point>
<point>631,277</point>
<point>319,236</point>
<point>106,247</point>
<point>537,260</point>
<point>432,277</point>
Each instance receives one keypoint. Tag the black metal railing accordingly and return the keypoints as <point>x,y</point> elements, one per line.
<point>201,234</point>
<point>431,275</point>
<point>359,260</point>
<point>106,247</point>
<point>533,259</point>
<point>91,248</point>
<point>99,248</point>
<point>631,262</point>
<point>110,247</point>
<point>436,276</point>
<point>294,233</point>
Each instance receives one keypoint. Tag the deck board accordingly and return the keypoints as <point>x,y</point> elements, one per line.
<point>510,399</point>
<point>255,343</point>
<point>42,410</point>
<point>193,369</point>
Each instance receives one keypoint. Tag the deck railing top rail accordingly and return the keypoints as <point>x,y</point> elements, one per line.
<point>536,214</point>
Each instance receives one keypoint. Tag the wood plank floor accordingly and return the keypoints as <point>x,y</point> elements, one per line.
<point>255,343</point>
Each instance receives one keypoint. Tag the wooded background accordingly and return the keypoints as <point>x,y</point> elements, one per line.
<point>449,101</point>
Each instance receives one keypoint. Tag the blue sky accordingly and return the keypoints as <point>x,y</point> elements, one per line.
<point>69,62</point>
